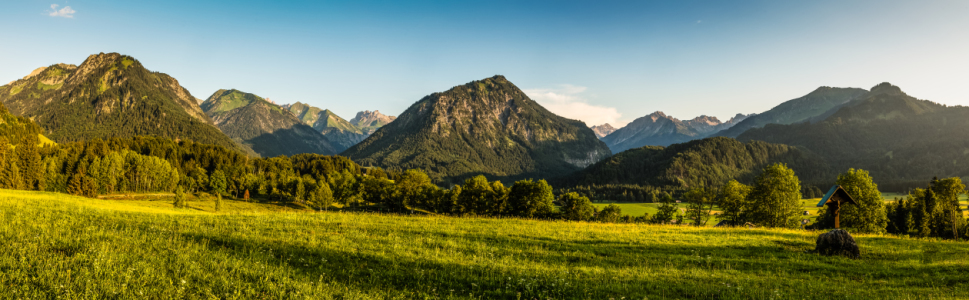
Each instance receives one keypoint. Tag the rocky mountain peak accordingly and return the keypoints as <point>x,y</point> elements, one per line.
<point>602,130</point>
<point>708,120</point>
<point>371,119</point>
<point>658,115</point>
<point>886,88</point>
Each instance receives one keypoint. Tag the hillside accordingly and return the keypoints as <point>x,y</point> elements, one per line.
<point>341,133</point>
<point>901,140</point>
<point>483,127</point>
<point>13,129</point>
<point>265,127</point>
<point>71,247</point>
<point>706,162</point>
<point>658,129</point>
<point>109,95</point>
<point>819,102</point>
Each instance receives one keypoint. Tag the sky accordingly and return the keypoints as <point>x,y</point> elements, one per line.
<point>595,61</point>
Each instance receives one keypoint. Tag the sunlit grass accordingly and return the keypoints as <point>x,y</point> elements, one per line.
<point>63,246</point>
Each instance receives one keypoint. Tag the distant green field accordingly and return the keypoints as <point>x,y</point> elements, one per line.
<point>59,246</point>
<point>810,205</point>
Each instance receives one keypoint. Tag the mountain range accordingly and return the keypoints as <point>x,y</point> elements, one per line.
<point>109,95</point>
<point>901,140</point>
<point>485,127</point>
<point>339,131</point>
<point>262,126</point>
<point>491,127</point>
<point>658,129</point>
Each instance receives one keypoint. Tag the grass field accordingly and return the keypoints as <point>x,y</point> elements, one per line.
<point>638,209</point>
<point>58,246</point>
<point>809,205</point>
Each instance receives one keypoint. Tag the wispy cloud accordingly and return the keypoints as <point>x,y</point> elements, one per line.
<point>66,12</point>
<point>567,100</point>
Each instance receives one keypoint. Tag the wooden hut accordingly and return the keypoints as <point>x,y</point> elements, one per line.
<point>833,199</point>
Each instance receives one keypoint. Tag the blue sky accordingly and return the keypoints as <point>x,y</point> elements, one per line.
<point>598,61</point>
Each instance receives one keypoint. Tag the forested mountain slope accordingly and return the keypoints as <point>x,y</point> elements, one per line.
<point>818,102</point>
<point>14,128</point>
<point>265,127</point>
<point>658,129</point>
<point>483,127</point>
<point>109,95</point>
<point>901,140</point>
<point>707,162</point>
<point>340,132</point>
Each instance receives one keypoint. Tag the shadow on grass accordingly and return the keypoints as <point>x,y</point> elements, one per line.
<point>431,278</point>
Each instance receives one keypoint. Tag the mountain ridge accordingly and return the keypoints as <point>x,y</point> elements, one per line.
<point>265,127</point>
<point>818,102</point>
<point>659,129</point>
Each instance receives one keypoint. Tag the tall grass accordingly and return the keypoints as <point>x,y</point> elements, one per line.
<point>58,246</point>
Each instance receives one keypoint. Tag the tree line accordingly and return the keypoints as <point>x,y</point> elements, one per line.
<point>154,164</point>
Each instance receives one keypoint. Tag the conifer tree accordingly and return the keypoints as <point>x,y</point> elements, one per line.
<point>29,160</point>
<point>179,198</point>
<point>324,195</point>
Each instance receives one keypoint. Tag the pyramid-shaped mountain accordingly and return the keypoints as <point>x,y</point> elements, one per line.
<point>266,128</point>
<point>483,127</point>
<point>109,95</point>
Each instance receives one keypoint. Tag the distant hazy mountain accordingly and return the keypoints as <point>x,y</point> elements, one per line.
<point>602,130</point>
<point>658,129</point>
<point>340,132</point>
<point>263,126</point>
<point>369,121</point>
<point>483,127</point>
<point>109,95</point>
<point>802,109</point>
<point>901,140</point>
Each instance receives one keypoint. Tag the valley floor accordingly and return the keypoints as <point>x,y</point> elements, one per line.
<point>60,246</point>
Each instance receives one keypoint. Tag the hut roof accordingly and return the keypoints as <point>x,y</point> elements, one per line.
<point>838,194</point>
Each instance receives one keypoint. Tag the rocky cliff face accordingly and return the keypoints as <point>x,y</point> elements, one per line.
<point>263,126</point>
<point>109,95</point>
<point>484,127</point>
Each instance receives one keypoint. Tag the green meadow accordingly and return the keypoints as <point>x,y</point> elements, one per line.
<point>60,246</point>
<point>810,205</point>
